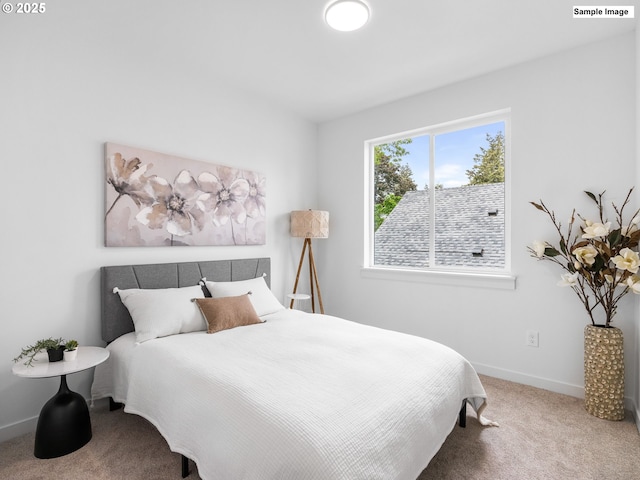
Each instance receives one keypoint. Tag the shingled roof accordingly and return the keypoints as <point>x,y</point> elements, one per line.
<point>469,228</point>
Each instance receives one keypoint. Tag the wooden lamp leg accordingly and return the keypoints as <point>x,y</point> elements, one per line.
<point>313,277</point>
<point>295,285</point>
<point>311,265</point>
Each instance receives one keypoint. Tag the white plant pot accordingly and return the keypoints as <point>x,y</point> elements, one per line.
<point>70,356</point>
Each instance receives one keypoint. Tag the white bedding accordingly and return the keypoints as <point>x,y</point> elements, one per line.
<point>300,397</point>
<point>111,378</point>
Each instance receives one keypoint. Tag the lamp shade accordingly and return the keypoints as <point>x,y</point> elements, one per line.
<point>310,224</point>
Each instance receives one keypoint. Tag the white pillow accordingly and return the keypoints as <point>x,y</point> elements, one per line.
<point>159,312</point>
<point>262,298</point>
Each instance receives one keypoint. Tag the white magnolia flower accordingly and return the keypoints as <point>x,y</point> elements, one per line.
<point>593,230</point>
<point>568,279</point>
<point>617,280</point>
<point>627,260</point>
<point>539,247</point>
<point>633,283</point>
<point>586,255</point>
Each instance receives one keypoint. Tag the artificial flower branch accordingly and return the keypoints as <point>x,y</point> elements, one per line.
<point>601,263</point>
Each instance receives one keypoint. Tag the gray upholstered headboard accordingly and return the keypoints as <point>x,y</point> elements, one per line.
<point>116,320</point>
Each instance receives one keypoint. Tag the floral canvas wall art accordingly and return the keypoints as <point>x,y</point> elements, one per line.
<point>154,199</point>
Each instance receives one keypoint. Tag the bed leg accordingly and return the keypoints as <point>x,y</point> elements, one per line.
<point>114,405</point>
<point>463,414</point>
<point>185,467</point>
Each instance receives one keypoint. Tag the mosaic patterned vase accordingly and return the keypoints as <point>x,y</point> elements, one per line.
<point>604,372</point>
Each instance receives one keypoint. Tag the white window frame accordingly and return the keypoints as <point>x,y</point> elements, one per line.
<point>500,278</point>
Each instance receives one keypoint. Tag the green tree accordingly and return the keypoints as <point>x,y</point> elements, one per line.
<point>489,163</point>
<point>383,209</point>
<point>392,178</point>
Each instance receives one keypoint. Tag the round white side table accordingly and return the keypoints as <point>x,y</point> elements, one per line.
<point>64,425</point>
<point>297,296</point>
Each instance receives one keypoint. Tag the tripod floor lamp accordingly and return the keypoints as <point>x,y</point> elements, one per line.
<point>309,224</point>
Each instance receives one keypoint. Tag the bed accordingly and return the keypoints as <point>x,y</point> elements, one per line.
<point>293,395</point>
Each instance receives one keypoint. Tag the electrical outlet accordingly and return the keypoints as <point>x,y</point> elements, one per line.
<point>532,338</point>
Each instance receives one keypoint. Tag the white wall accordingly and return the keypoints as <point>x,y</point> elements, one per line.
<point>573,118</point>
<point>67,86</point>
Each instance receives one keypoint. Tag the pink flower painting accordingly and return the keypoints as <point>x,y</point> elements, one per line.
<point>153,199</point>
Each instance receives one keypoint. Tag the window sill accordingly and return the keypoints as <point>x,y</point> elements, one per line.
<point>500,281</point>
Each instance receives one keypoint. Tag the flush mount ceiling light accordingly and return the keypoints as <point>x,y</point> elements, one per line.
<point>347,15</point>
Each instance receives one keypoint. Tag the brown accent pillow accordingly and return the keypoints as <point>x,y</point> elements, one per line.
<point>227,312</point>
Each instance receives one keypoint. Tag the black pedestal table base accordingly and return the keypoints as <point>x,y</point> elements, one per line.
<point>64,425</point>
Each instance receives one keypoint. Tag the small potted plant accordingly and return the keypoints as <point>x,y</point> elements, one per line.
<point>54,347</point>
<point>70,350</point>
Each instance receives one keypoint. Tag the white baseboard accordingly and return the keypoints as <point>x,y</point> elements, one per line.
<point>532,380</point>
<point>548,384</point>
<point>19,428</point>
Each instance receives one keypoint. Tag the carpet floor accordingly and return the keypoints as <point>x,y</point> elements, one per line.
<point>542,435</point>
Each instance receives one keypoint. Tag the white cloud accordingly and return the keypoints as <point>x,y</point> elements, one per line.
<point>451,175</point>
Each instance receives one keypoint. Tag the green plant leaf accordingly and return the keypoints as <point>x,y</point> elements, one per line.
<point>598,264</point>
<point>563,246</point>
<point>614,237</point>
<point>551,252</point>
<point>591,196</point>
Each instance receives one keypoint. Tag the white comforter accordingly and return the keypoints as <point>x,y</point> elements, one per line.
<point>300,397</point>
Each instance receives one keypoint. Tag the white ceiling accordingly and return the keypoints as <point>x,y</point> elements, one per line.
<point>282,50</point>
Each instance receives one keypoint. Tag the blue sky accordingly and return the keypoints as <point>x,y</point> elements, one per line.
<point>454,155</point>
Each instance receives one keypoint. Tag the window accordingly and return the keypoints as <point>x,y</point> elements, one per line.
<point>438,197</point>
